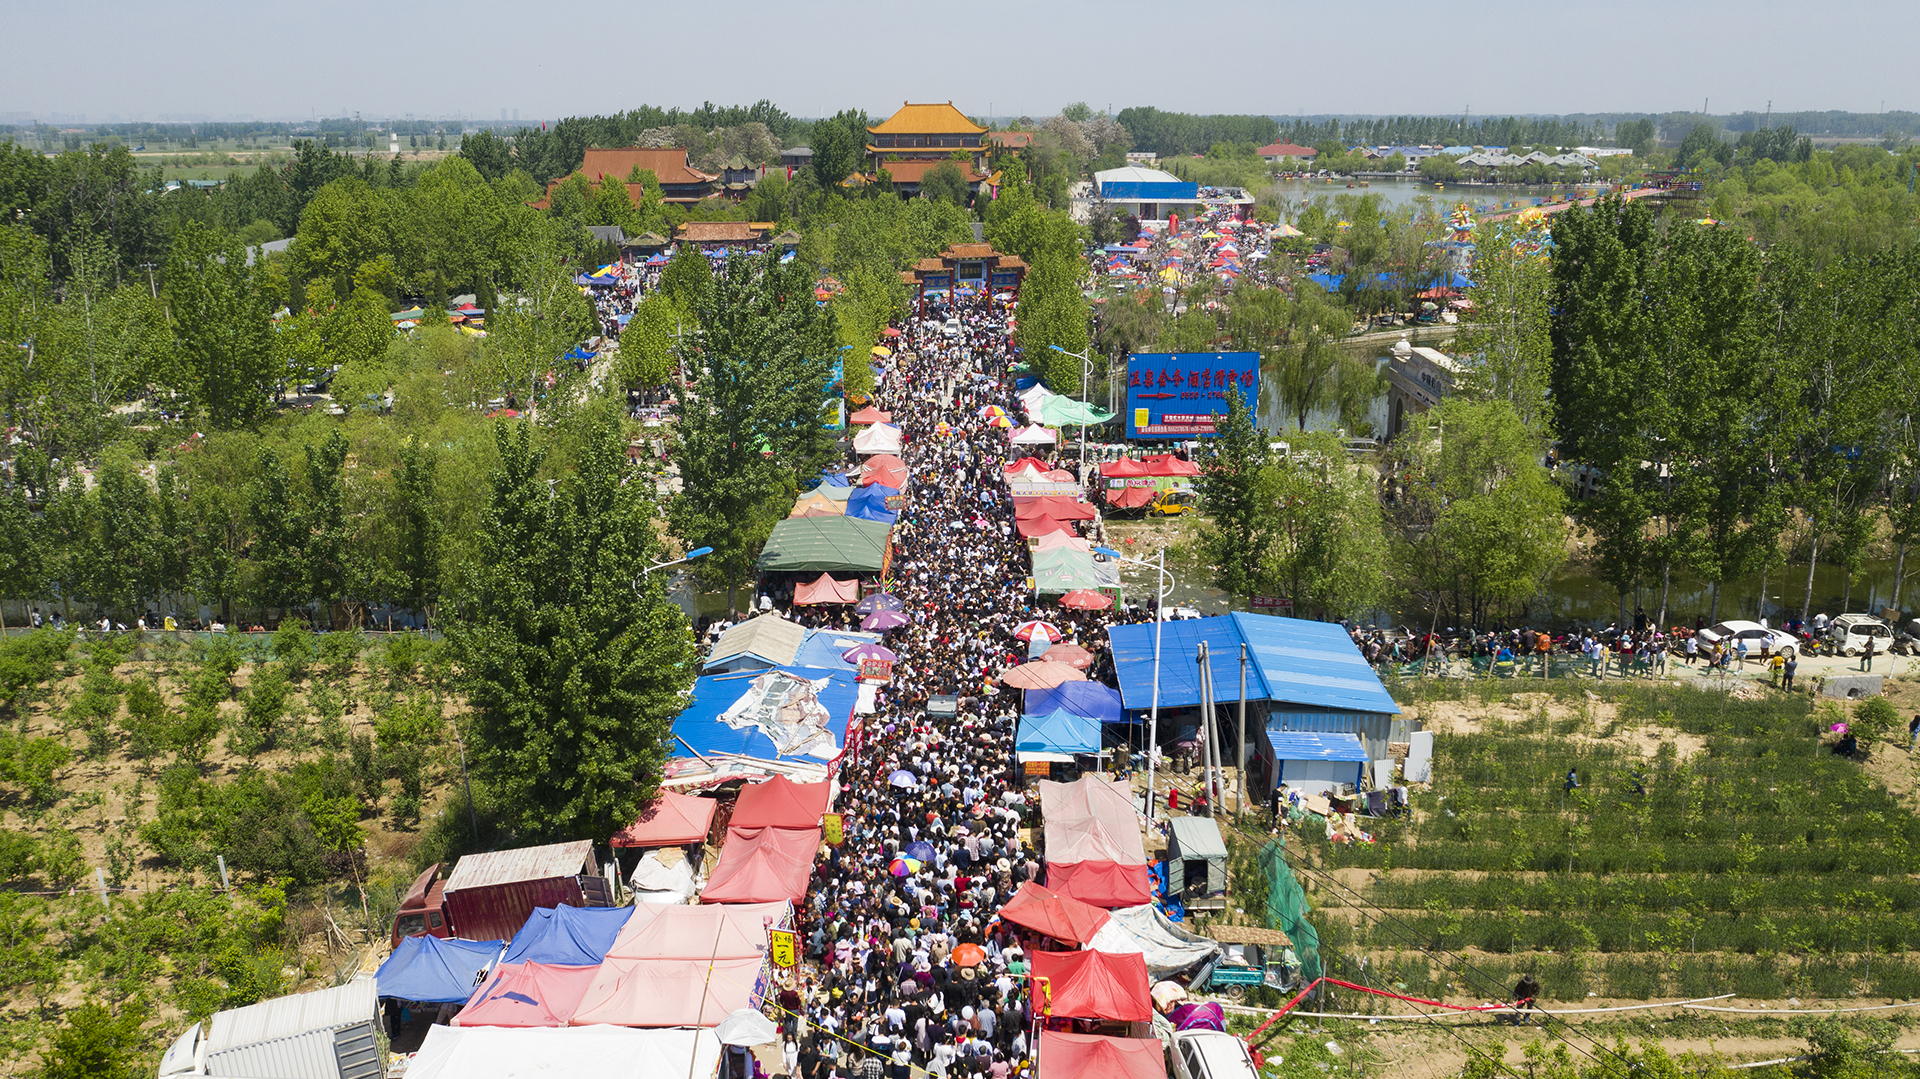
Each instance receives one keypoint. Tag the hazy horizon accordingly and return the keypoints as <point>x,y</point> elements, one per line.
<point>221,60</point>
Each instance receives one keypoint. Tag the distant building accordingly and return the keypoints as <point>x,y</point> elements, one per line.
<point>678,182</point>
<point>1417,378</point>
<point>1286,154</point>
<point>797,157</point>
<point>967,267</point>
<point>1011,140</point>
<point>931,132</point>
<point>1146,193</point>
<point>711,234</point>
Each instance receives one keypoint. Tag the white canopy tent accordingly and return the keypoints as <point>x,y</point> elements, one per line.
<point>605,1052</point>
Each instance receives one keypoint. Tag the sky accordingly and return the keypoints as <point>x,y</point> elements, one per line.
<point>271,59</point>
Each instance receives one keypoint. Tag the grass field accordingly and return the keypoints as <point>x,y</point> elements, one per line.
<point>1714,845</point>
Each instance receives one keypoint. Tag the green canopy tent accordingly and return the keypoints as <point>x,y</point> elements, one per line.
<point>1067,412</point>
<point>1063,569</point>
<point>826,545</point>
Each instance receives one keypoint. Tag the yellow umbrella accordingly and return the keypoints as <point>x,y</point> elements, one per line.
<point>882,350</point>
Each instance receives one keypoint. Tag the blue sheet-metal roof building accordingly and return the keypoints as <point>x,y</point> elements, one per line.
<point>1303,677</point>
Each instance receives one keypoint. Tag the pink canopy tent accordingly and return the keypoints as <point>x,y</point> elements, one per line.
<point>1058,507</point>
<point>824,589</point>
<point>1090,819</point>
<point>669,820</point>
<point>885,469</point>
<point>1166,464</point>
<point>1091,1056</point>
<point>527,995</point>
<point>1051,540</point>
<point>668,992</point>
<point>1040,526</point>
<point>780,803</point>
<point>760,865</point>
<point>719,931</point>
<point>1122,468</point>
<point>870,414</point>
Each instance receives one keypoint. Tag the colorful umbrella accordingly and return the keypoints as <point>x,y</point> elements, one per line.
<point>1072,655</point>
<point>891,331</point>
<point>882,350</point>
<point>920,850</point>
<point>991,411</point>
<point>1086,599</point>
<point>870,651</point>
<point>999,421</point>
<point>903,866</point>
<point>969,955</point>
<point>903,778</point>
<point>1046,631</point>
<point>882,620</point>
<point>879,601</point>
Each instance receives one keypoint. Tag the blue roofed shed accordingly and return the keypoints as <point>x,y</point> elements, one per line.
<point>1316,763</point>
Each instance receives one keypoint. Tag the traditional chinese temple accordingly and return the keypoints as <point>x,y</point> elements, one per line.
<point>967,268</point>
<point>918,138</point>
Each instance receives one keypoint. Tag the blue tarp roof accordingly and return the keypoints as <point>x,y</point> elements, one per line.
<point>1292,660</point>
<point>1092,699</point>
<point>435,971</point>
<point>869,503</point>
<point>832,479</point>
<point>700,726</point>
<point>1311,746</point>
<point>822,647</point>
<point>1150,190</point>
<point>1059,731</point>
<point>1332,281</point>
<point>567,936</point>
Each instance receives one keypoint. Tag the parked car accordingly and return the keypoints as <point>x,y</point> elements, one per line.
<point>1758,637</point>
<point>1211,1054</point>
<point>1850,633</point>
<point>1172,503</point>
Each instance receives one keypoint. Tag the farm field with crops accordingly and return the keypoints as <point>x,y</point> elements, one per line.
<point>1714,845</point>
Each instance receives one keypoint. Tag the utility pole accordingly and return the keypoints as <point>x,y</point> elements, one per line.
<point>1240,763</point>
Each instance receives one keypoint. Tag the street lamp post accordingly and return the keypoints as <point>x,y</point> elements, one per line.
<point>1086,367</point>
<point>688,557</point>
<point>1161,592</point>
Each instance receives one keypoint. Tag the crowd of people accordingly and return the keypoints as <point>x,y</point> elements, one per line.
<point>909,967</point>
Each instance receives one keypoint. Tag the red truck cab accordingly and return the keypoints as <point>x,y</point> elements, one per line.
<point>423,908</point>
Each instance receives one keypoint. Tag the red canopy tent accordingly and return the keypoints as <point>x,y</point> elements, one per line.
<point>780,803</point>
<point>1094,985</point>
<point>1058,507</point>
<point>870,414</point>
<point>527,995</point>
<point>1166,464</point>
<point>669,820</point>
<point>1103,884</point>
<point>824,589</point>
<point>761,865</point>
<point>1129,498</point>
<point>1040,526</point>
<point>1034,463</point>
<point>1122,468</point>
<point>885,469</point>
<point>1061,917</point>
<point>1090,1056</point>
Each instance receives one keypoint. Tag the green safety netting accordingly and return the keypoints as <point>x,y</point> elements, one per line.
<point>1287,910</point>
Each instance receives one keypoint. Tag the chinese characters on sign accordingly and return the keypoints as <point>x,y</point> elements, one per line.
<point>1180,394</point>
<point>782,949</point>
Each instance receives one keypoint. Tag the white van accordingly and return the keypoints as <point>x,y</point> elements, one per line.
<point>1211,1054</point>
<point>1851,632</point>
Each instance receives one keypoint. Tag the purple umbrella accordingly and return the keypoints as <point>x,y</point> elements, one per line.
<point>879,601</point>
<point>885,620</point>
<point>869,651</point>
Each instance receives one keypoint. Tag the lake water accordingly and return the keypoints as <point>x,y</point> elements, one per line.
<point>1481,198</point>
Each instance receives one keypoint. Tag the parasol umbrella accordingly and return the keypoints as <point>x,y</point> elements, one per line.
<point>992,410</point>
<point>884,620</point>
<point>746,1027</point>
<point>903,866</point>
<point>1041,674</point>
<point>882,350</point>
<point>969,955</point>
<point>903,778</point>
<point>1072,655</point>
<point>891,331</point>
<point>1086,599</point>
<point>1000,421</point>
<point>869,651</point>
<point>1027,631</point>
<point>919,850</point>
<point>879,601</point>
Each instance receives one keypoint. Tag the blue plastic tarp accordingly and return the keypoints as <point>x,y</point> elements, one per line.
<point>567,936</point>
<point>832,479</point>
<point>1091,699</point>
<point>435,971</point>
<point>869,503</point>
<point>700,728</point>
<point>1059,731</point>
<point>580,354</point>
<point>822,648</point>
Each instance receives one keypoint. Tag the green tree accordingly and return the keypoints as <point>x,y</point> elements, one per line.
<point>96,1043</point>
<point>573,669</point>
<point>1303,365</point>
<point>750,432</point>
<point>529,333</point>
<point>1328,544</point>
<point>1233,492</point>
<point>944,183</point>
<point>1635,135</point>
<point>838,144</point>
<point>1507,333</point>
<point>219,327</point>
<point>1476,521</point>
<point>687,277</point>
